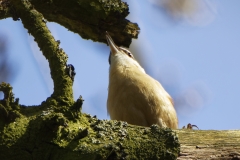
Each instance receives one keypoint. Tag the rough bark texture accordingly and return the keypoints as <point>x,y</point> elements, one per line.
<point>91,18</point>
<point>57,129</point>
<point>88,18</point>
<point>50,135</point>
<point>210,144</point>
<point>43,132</point>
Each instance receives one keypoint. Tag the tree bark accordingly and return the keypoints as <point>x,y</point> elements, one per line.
<point>43,132</point>
<point>209,144</point>
<point>88,18</point>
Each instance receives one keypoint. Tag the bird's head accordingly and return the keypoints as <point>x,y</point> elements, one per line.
<point>120,55</point>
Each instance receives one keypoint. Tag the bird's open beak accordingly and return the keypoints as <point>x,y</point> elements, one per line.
<point>112,45</point>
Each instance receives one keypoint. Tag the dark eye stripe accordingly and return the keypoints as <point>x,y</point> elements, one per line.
<point>126,51</point>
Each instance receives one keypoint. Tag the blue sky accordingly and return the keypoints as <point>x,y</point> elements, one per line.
<point>198,64</point>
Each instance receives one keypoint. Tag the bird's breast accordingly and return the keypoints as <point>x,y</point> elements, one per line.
<point>137,98</point>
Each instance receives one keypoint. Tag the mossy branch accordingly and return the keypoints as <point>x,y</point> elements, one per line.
<point>34,22</point>
<point>9,107</point>
<point>48,134</point>
<point>91,18</point>
<point>88,18</point>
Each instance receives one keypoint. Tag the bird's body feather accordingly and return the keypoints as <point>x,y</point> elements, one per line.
<point>137,98</point>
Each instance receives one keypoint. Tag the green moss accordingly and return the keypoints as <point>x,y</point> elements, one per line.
<point>9,107</point>
<point>12,132</point>
<point>85,137</point>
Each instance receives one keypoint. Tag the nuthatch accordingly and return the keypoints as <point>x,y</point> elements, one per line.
<point>134,96</point>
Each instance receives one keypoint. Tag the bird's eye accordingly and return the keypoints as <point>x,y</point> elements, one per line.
<point>129,54</point>
<point>126,51</point>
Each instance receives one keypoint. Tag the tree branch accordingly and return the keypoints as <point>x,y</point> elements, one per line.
<point>91,18</point>
<point>50,135</point>
<point>34,23</point>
